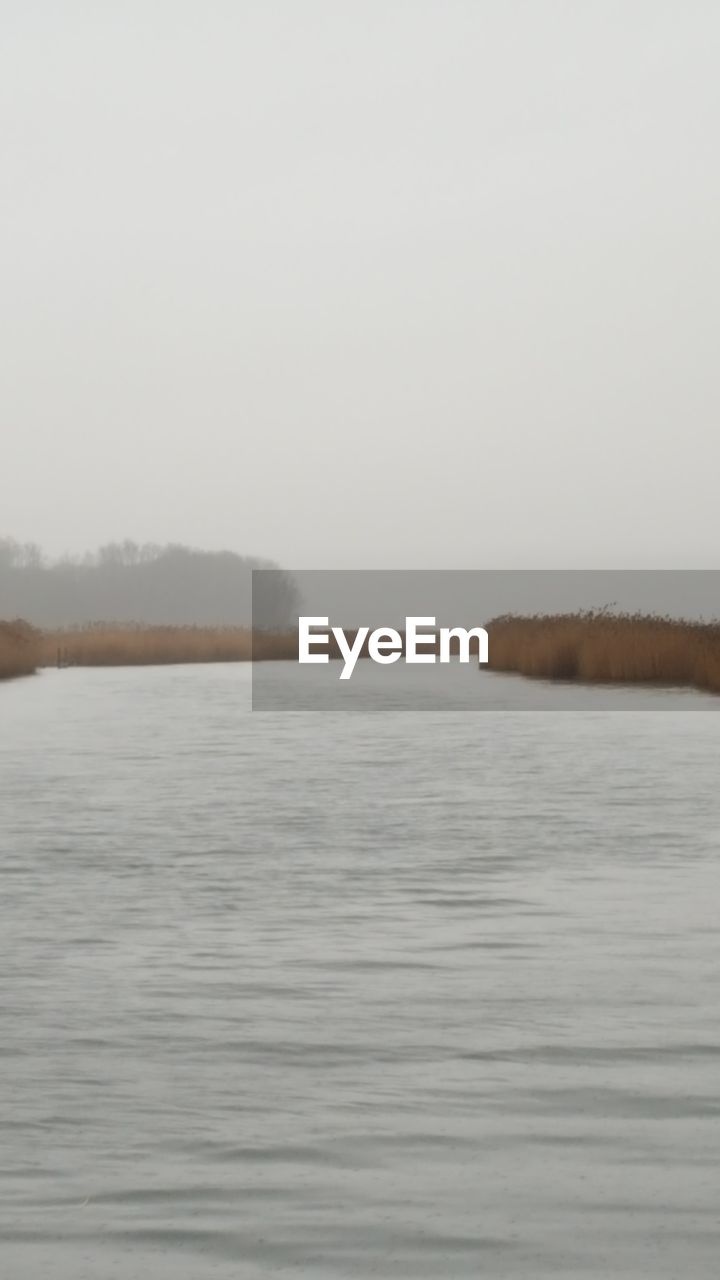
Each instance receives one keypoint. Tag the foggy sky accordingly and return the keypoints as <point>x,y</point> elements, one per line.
<point>395,283</point>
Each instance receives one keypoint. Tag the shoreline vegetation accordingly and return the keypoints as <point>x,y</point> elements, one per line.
<point>605,648</point>
<point>590,648</point>
<point>122,645</point>
<point>149,584</point>
<point>19,649</point>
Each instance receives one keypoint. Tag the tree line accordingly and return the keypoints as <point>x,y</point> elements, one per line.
<point>148,583</point>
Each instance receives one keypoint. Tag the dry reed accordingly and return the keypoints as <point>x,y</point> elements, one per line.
<point>116,645</point>
<point>19,650</point>
<point>590,647</point>
<point>105,645</point>
<point>600,647</point>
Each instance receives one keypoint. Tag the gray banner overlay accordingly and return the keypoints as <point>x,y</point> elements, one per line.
<point>374,599</point>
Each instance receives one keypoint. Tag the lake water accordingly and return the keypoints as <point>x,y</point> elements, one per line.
<point>427,995</point>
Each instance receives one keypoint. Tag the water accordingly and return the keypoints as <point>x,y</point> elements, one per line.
<point>331,995</point>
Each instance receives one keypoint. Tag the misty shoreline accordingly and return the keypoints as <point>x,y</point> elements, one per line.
<point>585,648</point>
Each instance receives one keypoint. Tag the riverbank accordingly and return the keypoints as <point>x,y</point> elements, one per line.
<point>123,646</point>
<point>602,648</point>
<point>589,648</point>
<point>23,649</point>
<point>20,650</point>
<point>120,645</point>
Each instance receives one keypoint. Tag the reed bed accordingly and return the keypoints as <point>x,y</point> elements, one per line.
<point>101,645</point>
<point>20,650</point>
<point>588,647</point>
<point>119,645</point>
<point>608,648</point>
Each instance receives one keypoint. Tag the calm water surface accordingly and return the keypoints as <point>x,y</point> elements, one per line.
<point>354,995</point>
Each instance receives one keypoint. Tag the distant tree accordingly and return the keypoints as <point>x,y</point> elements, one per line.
<point>275,599</point>
<point>20,555</point>
<point>111,553</point>
<point>9,550</point>
<point>140,582</point>
<point>30,557</point>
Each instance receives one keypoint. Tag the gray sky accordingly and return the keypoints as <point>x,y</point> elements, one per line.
<point>394,283</point>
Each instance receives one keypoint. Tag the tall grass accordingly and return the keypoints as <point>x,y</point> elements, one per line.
<point>123,646</point>
<point>103,645</point>
<point>591,647</point>
<point>20,650</point>
<point>607,648</point>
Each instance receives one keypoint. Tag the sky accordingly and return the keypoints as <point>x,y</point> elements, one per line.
<point>399,283</point>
